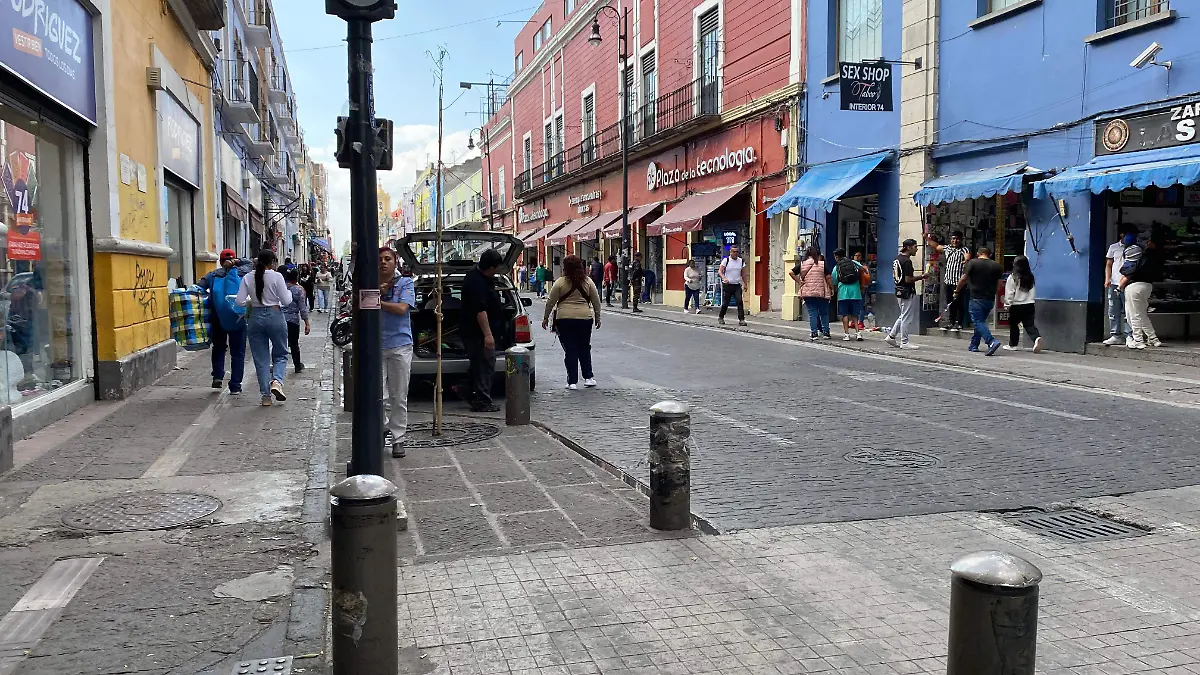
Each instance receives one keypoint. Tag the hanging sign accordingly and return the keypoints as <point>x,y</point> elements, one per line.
<point>866,86</point>
<point>49,45</point>
<point>1164,128</point>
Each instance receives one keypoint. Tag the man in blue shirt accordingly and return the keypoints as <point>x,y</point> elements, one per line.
<point>397,297</point>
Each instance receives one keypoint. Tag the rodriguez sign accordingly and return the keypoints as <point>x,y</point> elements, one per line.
<point>657,176</point>
<point>50,47</point>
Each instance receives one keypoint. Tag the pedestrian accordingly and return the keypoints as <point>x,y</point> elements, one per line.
<point>866,285</point>
<point>596,272</point>
<point>982,281</point>
<point>845,279</point>
<point>540,275</point>
<point>813,285</point>
<point>1142,268</point>
<point>955,257</point>
<point>523,277</point>
<point>287,264</point>
<point>265,294</point>
<point>693,284</point>
<point>228,333</point>
<point>1118,321</point>
<point>651,280</point>
<point>636,276</point>
<point>1019,297</point>
<point>906,280</point>
<point>308,281</point>
<point>397,296</point>
<point>324,289</point>
<point>732,272</point>
<point>481,311</point>
<point>611,274</point>
<point>293,314</point>
<point>574,307</point>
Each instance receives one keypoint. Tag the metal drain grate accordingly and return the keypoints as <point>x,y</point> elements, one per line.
<point>892,458</point>
<point>1072,525</point>
<point>420,434</point>
<point>141,511</point>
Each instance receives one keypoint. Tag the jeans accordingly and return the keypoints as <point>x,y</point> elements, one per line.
<point>322,298</point>
<point>818,315</point>
<point>1137,308</point>
<point>728,292</point>
<point>1118,319</point>
<point>979,308</point>
<point>1021,315</point>
<point>608,292</point>
<point>908,315</point>
<point>482,370</point>
<point>268,337</point>
<point>294,345</point>
<point>576,338</point>
<point>235,342</point>
<point>690,294</point>
<point>397,368</point>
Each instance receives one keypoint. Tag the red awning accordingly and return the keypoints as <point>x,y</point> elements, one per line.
<point>560,237</point>
<point>688,215</point>
<point>613,229</point>
<point>591,227</point>
<point>539,234</point>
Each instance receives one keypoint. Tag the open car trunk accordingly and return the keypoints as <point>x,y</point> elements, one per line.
<point>424,319</point>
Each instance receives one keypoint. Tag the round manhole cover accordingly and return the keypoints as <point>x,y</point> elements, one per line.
<point>142,511</point>
<point>889,457</point>
<point>420,434</point>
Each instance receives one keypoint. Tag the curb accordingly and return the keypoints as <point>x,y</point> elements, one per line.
<point>699,522</point>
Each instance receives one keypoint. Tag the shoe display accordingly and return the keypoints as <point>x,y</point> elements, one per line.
<point>589,382</point>
<point>1113,340</point>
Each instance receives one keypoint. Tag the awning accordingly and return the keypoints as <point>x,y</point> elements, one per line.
<point>688,215</point>
<point>957,187</point>
<point>321,243</point>
<point>822,185</point>
<point>590,227</point>
<point>1163,167</point>
<point>560,237</point>
<point>542,233</point>
<point>613,229</point>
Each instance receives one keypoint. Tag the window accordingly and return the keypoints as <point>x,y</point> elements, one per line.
<point>542,36</point>
<point>501,178</point>
<point>548,149</point>
<point>860,30</point>
<point>997,5</point>
<point>1121,12</point>
<point>649,95</point>
<point>710,55</point>
<point>519,62</point>
<point>558,144</point>
<point>527,153</point>
<point>629,90</point>
<point>589,128</point>
<point>568,7</point>
<point>537,41</point>
<point>546,28</point>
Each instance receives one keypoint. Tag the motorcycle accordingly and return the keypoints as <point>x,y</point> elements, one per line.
<point>341,330</point>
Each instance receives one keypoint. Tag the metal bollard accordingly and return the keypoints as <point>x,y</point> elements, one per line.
<point>347,379</point>
<point>363,552</point>
<point>516,386</point>
<point>670,466</point>
<point>993,615</point>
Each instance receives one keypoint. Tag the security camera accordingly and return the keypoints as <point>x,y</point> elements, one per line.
<point>1147,56</point>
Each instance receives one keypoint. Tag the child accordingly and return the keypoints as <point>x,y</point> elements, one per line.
<point>1019,297</point>
<point>293,313</point>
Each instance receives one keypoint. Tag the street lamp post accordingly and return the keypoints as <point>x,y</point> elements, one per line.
<point>626,238</point>
<point>485,136</point>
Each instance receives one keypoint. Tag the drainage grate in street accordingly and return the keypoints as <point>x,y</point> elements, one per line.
<point>420,434</point>
<point>141,511</point>
<point>279,665</point>
<point>892,458</point>
<point>1072,525</point>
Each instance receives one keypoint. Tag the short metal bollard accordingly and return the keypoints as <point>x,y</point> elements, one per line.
<point>993,615</point>
<point>347,379</point>
<point>363,552</point>
<point>516,386</point>
<point>670,466</point>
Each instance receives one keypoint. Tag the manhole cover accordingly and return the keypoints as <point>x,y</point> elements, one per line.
<point>889,457</point>
<point>1072,525</point>
<point>142,511</point>
<point>420,434</point>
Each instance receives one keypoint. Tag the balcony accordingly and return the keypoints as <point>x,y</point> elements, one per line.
<point>279,87</point>
<point>206,14</point>
<point>241,105</point>
<point>667,117</point>
<point>273,172</point>
<point>258,27</point>
<point>294,135</point>
<point>258,143</point>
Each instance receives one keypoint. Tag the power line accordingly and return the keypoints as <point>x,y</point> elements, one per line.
<point>420,32</point>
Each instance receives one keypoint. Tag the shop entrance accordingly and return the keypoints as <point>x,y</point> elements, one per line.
<point>858,234</point>
<point>180,231</point>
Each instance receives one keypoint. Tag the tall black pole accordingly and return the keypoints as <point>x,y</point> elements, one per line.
<point>367,440</point>
<point>487,153</point>
<point>626,237</point>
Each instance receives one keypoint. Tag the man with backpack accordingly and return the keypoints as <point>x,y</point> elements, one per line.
<point>228,330</point>
<point>846,278</point>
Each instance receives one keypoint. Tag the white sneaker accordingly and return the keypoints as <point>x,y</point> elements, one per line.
<point>697,310</point>
<point>590,382</point>
<point>1009,349</point>
<point>1133,344</point>
<point>859,336</point>
<point>1156,343</point>
<point>846,337</point>
<point>1037,346</point>
<point>909,346</point>
<point>891,340</point>
<point>1113,340</point>
<point>1130,342</point>
<point>573,387</point>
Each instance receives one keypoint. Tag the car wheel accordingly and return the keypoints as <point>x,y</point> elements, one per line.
<point>532,380</point>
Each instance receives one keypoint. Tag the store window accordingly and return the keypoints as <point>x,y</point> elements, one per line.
<point>41,221</point>
<point>179,202</point>
<point>860,31</point>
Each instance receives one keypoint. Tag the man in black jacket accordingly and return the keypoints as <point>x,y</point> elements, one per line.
<point>482,314</point>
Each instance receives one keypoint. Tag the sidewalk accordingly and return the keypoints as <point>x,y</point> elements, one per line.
<point>246,581</point>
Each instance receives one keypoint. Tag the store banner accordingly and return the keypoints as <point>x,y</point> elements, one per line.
<point>24,241</point>
<point>19,175</point>
<point>1165,128</point>
<point>178,140</point>
<point>866,86</point>
<point>49,46</point>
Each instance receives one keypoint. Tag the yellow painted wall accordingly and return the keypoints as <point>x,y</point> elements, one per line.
<point>132,312</point>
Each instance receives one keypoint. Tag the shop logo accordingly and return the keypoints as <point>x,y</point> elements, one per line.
<point>1116,135</point>
<point>524,216</point>
<point>657,177</point>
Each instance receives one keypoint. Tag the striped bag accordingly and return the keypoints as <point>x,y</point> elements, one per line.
<point>189,319</point>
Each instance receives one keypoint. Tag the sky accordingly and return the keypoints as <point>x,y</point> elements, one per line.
<point>405,85</point>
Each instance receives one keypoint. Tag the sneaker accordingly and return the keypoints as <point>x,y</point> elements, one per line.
<point>827,336</point>
<point>490,408</point>
<point>1113,340</point>
<point>861,326</point>
<point>720,321</point>
<point>1009,349</point>
<point>993,347</point>
<point>1156,343</point>
<point>1037,345</point>
<point>742,324</point>
<point>909,345</point>
<point>217,384</point>
<point>235,391</point>
<point>589,382</point>
<point>956,330</point>
<point>814,336</point>
<point>300,368</point>
<point>973,349</point>
<point>697,310</point>
<point>859,336</point>
<point>398,450</point>
<point>277,390</point>
<point>1134,344</point>
<point>267,402</point>
<point>573,387</point>
<point>1130,342</point>
<point>846,337</point>
<point>891,340</point>
<point>637,311</point>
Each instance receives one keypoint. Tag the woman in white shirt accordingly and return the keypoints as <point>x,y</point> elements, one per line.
<point>324,289</point>
<point>1019,297</point>
<point>265,293</point>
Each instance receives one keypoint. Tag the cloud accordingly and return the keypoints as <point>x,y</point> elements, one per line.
<point>415,146</point>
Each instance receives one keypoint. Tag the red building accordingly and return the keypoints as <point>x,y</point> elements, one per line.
<point>713,88</point>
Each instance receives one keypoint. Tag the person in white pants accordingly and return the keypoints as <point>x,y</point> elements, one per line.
<point>1142,267</point>
<point>396,297</point>
<point>906,295</point>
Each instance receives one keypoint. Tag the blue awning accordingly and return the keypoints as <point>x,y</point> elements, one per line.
<point>990,182</point>
<point>822,185</point>
<point>1163,167</point>
<point>322,243</point>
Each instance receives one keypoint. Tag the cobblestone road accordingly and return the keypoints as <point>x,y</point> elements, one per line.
<point>787,433</point>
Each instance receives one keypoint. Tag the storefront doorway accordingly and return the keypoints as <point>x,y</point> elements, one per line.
<point>180,203</point>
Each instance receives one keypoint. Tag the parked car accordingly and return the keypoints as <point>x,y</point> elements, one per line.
<point>461,250</point>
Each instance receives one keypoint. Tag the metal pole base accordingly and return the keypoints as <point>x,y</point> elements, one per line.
<point>516,386</point>
<point>670,467</point>
<point>993,615</point>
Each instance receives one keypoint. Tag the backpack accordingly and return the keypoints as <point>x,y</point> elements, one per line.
<point>230,316</point>
<point>1134,257</point>
<point>847,272</point>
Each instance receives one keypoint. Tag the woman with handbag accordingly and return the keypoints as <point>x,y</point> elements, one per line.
<point>813,286</point>
<point>574,307</point>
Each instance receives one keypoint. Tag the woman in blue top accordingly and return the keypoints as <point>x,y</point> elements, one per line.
<point>846,279</point>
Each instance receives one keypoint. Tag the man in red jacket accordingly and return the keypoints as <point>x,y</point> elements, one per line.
<point>610,279</point>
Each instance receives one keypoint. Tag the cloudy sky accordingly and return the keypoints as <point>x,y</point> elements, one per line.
<point>405,85</point>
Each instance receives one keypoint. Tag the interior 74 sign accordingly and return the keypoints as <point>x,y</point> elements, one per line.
<point>866,86</point>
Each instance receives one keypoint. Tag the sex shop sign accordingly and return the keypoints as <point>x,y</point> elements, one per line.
<point>866,86</point>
